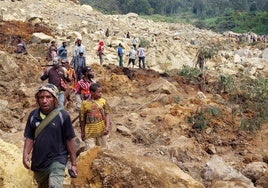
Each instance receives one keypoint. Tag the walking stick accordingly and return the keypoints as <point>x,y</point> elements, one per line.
<point>77,117</point>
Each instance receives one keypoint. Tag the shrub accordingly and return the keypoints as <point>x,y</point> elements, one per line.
<point>250,124</point>
<point>144,42</point>
<point>189,72</point>
<point>202,118</point>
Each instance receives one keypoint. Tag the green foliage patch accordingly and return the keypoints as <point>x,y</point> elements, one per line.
<point>250,95</point>
<point>201,119</point>
<point>189,72</point>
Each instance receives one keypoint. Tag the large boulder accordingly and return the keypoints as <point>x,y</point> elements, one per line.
<point>219,172</point>
<point>130,170</point>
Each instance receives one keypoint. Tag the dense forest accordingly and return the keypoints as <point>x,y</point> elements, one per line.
<point>218,15</point>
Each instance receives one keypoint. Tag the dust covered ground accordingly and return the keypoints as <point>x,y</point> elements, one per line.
<point>143,101</point>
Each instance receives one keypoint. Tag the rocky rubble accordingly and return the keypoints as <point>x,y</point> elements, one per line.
<point>151,143</point>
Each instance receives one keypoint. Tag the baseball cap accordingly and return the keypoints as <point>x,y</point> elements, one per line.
<point>81,51</point>
<point>50,88</point>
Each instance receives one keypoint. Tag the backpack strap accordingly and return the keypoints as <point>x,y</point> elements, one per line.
<point>46,121</point>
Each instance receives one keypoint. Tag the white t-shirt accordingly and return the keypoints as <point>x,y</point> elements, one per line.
<point>141,52</point>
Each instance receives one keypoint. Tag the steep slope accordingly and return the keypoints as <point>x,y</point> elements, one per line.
<point>153,114</point>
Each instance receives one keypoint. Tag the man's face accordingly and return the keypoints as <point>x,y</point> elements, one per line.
<point>90,74</point>
<point>46,101</point>
<point>65,64</point>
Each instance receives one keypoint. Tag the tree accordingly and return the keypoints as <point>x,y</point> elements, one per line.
<point>241,5</point>
<point>253,7</point>
<point>198,7</point>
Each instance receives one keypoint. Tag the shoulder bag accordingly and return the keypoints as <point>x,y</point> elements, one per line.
<point>46,121</point>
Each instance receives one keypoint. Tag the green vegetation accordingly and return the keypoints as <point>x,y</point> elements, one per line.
<point>201,119</point>
<point>240,22</point>
<point>251,95</point>
<point>144,42</point>
<point>226,84</point>
<point>191,73</point>
<point>218,15</point>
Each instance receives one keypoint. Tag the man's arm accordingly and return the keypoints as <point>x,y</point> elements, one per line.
<point>107,124</point>
<point>28,146</point>
<point>106,113</point>
<point>72,152</point>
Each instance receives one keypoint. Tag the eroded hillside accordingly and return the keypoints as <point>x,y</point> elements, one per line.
<point>162,123</point>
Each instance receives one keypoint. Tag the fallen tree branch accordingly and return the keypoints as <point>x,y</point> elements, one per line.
<point>150,101</point>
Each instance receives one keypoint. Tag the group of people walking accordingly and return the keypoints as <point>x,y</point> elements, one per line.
<point>49,133</point>
<point>133,54</point>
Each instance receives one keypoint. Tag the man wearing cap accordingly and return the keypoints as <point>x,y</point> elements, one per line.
<point>46,153</point>
<point>56,75</point>
<point>100,51</point>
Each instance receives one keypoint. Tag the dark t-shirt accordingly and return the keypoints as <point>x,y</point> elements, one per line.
<point>54,76</point>
<point>50,145</point>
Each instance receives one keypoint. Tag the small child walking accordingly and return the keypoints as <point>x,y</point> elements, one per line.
<point>95,123</point>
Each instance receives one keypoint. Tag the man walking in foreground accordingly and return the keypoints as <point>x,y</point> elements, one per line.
<point>49,138</point>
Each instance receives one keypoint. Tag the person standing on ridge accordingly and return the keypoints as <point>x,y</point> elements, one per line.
<point>200,60</point>
<point>100,51</point>
<point>132,56</point>
<point>135,42</point>
<point>107,33</point>
<point>141,55</point>
<point>128,35</point>
<point>49,139</point>
<point>120,53</point>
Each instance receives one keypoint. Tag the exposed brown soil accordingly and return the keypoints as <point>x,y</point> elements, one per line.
<point>223,130</point>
